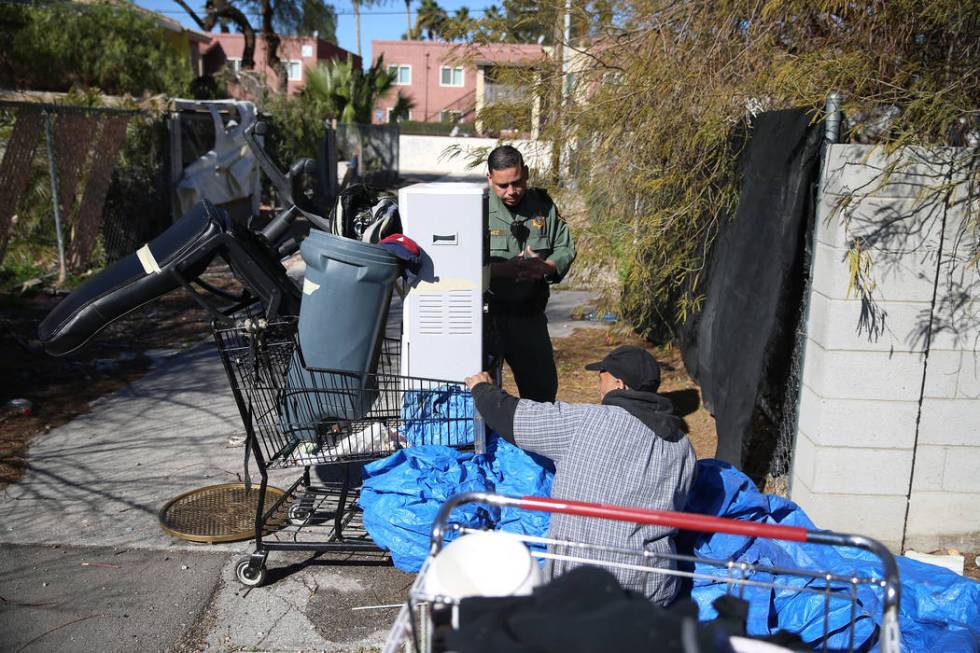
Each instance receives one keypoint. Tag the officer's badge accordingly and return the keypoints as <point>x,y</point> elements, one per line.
<point>538,222</point>
<point>497,232</point>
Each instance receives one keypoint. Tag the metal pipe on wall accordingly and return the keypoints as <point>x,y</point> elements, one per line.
<point>833,119</point>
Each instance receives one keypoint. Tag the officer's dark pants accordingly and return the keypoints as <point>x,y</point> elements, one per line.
<point>523,341</point>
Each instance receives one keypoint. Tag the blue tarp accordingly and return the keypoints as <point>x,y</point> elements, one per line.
<point>442,415</point>
<point>940,611</point>
<point>402,493</point>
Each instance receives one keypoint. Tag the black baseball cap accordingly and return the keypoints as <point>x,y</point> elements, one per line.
<point>634,366</point>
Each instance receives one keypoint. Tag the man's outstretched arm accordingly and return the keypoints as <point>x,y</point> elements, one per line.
<point>543,428</point>
<point>495,406</point>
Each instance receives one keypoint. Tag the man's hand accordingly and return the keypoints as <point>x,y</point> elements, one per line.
<point>477,379</point>
<point>533,267</point>
<point>510,269</point>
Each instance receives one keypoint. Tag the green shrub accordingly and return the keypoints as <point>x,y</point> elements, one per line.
<point>659,91</point>
<point>297,129</point>
<point>105,45</point>
<point>436,128</point>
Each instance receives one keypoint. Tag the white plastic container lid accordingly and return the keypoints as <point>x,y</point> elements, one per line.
<point>483,564</point>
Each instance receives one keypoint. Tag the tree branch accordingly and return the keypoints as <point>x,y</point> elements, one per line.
<point>192,14</point>
<point>272,42</point>
<point>217,9</point>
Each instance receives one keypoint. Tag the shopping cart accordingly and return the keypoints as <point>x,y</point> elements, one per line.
<point>296,415</point>
<point>413,628</point>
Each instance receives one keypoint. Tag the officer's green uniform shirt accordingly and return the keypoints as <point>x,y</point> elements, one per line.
<point>534,223</point>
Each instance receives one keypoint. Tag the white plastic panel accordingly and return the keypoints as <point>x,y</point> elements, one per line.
<point>443,319</point>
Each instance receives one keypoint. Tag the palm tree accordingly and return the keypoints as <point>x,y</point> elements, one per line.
<point>403,105</point>
<point>408,15</point>
<point>342,90</point>
<point>357,23</point>
<point>489,29</point>
<point>431,19</point>
<point>459,26</point>
<point>357,4</point>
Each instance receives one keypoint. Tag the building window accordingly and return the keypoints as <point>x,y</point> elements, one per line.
<point>307,51</point>
<point>450,76</point>
<point>294,71</point>
<point>234,65</point>
<point>388,115</point>
<point>403,74</point>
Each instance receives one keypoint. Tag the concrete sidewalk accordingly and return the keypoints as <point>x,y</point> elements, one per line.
<point>84,565</point>
<point>93,489</point>
<point>100,479</point>
<point>562,304</point>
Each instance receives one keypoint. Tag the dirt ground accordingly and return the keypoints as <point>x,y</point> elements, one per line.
<point>576,385</point>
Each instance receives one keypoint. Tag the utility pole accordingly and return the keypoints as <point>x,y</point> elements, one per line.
<point>566,55</point>
<point>566,84</point>
<point>561,38</point>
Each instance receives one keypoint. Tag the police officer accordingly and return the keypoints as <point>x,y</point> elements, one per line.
<point>530,248</point>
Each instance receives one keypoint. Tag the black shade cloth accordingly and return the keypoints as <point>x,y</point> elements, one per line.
<point>753,291</point>
<point>196,135</point>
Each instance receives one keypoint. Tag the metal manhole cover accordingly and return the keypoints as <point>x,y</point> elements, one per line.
<point>219,513</point>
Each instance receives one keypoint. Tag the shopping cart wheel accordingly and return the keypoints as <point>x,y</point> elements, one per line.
<point>299,514</point>
<point>247,575</point>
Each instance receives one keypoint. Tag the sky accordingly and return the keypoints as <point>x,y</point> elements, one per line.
<point>382,23</point>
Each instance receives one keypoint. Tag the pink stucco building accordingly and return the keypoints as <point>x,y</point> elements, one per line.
<point>297,52</point>
<point>446,81</point>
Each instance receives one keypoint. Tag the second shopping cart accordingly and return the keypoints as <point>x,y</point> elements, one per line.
<point>298,416</point>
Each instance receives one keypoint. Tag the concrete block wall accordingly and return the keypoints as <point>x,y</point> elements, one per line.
<point>430,154</point>
<point>888,443</point>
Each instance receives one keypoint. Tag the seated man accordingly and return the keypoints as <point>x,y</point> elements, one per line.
<point>629,451</point>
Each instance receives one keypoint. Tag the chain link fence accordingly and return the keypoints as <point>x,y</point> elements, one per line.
<point>79,187</point>
<point>376,149</point>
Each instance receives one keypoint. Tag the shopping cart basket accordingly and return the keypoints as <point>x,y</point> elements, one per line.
<point>413,627</point>
<point>299,416</point>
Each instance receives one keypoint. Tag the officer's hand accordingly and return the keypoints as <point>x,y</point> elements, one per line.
<point>506,269</point>
<point>477,379</point>
<point>533,267</point>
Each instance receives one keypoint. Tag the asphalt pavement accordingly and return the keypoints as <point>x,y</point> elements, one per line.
<point>70,598</point>
<point>84,565</point>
